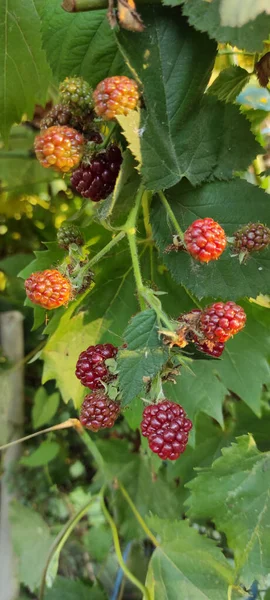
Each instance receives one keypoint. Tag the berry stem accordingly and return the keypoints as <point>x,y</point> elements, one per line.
<point>61,539</point>
<point>107,137</point>
<point>139,518</point>
<point>171,215</point>
<point>130,228</point>
<point>144,590</point>
<point>104,251</point>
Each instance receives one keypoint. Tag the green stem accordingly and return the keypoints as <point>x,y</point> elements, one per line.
<point>140,520</point>
<point>90,444</point>
<point>144,590</point>
<point>130,228</point>
<point>171,215</point>
<point>155,304</point>
<point>104,251</point>
<point>61,539</point>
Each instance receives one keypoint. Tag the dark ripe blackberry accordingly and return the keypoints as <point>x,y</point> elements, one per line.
<point>98,411</point>
<point>69,234</point>
<point>166,426</point>
<point>251,238</point>
<point>91,369</point>
<point>97,179</point>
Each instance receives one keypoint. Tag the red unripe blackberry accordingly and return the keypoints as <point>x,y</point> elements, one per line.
<point>48,289</point>
<point>97,179</point>
<point>220,321</point>
<point>251,238</point>
<point>91,369</point>
<point>60,148</point>
<point>98,411</point>
<point>166,427</point>
<point>207,347</point>
<point>115,96</point>
<point>205,240</point>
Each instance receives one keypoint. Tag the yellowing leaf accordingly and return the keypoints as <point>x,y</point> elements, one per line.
<point>131,130</point>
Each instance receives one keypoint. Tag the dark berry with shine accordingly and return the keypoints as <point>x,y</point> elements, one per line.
<point>91,369</point>
<point>212,349</point>
<point>96,180</point>
<point>98,411</point>
<point>251,238</point>
<point>166,426</point>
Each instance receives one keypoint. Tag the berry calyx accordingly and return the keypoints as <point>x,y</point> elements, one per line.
<point>212,349</point>
<point>166,426</point>
<point>98,411</point>
<point>76,93</point>
<point>205,240</point>
<point>115,96</point>
<point>60,148</point>
<point>49,289</point>
<point>69,234</point>
<point>220,321</point>
<point>251,238</point>
<point>91,369</point>
<point>96,180</point>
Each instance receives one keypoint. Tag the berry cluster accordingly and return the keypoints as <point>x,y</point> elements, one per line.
<point>98,410</point>
<point>70,135</point>
<point>166,427</point>
<point>210,328</point>
<point>205,240</point>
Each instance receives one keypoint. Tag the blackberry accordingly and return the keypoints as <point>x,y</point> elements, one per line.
<point>76,93</point>
<point>220,321</point>
<point>205,240</point>
<point>98,411</point>
<point>48,289</point>
<point>97,179</point>
<point>166,427</point>
<point>115,96</point>
<point>251,238</point>
<point>91,369</point>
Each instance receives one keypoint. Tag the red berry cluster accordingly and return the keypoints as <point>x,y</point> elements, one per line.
<point>205,240</point>
<point>98,411</point>
<point>91,368</point>
<point>115,96</point>
<point>166,426</point>
<point>210,328</point>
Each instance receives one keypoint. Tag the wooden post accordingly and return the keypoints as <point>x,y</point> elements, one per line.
<point>12,418</point>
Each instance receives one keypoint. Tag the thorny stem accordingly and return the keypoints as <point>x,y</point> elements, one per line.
<point>61,539</point>
<point>171,215</point>
<point>144,590</point>
<point>104,251</point>
<point>140,520</point>
<point>130,228</point>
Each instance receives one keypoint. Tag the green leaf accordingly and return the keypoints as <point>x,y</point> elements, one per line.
<point>237,15</point>
<point>232,204</point>
<point>174,72</point>
<point>88,46</point>
<point>148,492</point>
<point>205,16</point>
<point>45,259</point>
<point>98,542</point>
<point>46,452</point>
<point>186,564</point>
<point>31,541</point>
<point>229,83</point>
<point>73,590</point>
<point>44,407</point>
<point>234,493</point>
<point>243,370</point>
<point>21,87</point>
<point>143,357</point>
